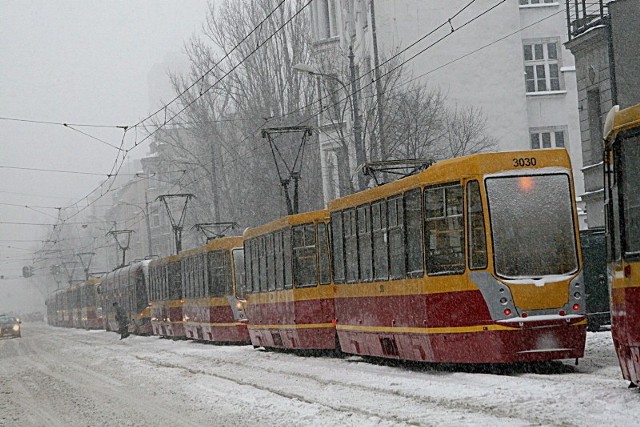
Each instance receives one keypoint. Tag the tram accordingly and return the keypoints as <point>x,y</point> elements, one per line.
<point>474,260</point>
<point>75,306</point>
<point>289,291</point>
<point>213,282</point>
<point>129,287</point>
<point>622,209</point>
<point>166,296</point>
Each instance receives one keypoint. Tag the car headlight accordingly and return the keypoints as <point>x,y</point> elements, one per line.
<point>16,328</point>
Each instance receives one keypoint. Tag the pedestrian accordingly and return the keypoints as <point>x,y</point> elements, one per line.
<point>123,321</point>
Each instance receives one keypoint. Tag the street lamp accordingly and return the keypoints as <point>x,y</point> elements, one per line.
<point>353,100</point>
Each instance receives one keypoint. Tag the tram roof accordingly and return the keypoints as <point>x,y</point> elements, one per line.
<point>620,120</point>
<point>222,243</point>
<point>288,221</point>
<point>450,170</point>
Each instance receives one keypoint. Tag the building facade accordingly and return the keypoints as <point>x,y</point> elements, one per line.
<point>604,38</point>
<point>508,61</point>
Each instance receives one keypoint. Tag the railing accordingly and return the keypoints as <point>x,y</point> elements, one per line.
<point>583,15</point>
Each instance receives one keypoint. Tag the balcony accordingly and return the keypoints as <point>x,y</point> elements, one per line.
<point>582,15</point>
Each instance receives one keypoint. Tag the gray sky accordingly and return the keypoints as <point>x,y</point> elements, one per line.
<point>84,62</point>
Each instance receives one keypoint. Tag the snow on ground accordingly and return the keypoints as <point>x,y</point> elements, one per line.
<point>55,377</point>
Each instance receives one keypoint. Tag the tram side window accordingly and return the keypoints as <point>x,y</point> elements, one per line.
<point>304,255</point>
<point>364,243</point>
<point>475,218</point>
<point>141,292</point>
<point>218,276</point>
<point>395,210</point>
<point>262,260</point>
<point>350,244</point>
<point>631,195</point>
<point>279,260</point>
<point>286,251</point>
<point>269,253</point>
<point>202,269</point>
<point>444,229</point>
<point>379,231</point>
<point>337,247</point>
<point>413,221</point>
<point>255,265</point>
<point>323,255</point>
<point>239,270</point>
<point>175,285</point>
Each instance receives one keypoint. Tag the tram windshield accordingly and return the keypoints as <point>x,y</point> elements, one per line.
<point>532,225</point>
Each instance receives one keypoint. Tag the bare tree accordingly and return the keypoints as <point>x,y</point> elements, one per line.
<point>248,85</point>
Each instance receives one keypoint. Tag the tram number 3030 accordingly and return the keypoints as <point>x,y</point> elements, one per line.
<point>524,161</point>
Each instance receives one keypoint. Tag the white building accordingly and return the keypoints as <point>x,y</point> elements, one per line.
<point>509,61</point>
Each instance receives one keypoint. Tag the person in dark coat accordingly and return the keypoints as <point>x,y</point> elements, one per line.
<point>123,320</point>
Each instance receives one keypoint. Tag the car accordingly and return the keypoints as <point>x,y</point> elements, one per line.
<point>10,326</point>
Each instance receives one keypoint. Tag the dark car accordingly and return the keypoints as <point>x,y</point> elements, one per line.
<point>9,326</point>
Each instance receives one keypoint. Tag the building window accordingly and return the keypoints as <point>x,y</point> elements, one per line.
<point>541,66</point>
<point>536,2</point>
<point>547,138</point>
<point>325,23</point>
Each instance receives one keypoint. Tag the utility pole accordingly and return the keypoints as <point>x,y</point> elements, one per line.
<point>357,127</point>
<point>295,169</point>
<point>379,96</point>
<point>177,223</point>
<point>123,242</point>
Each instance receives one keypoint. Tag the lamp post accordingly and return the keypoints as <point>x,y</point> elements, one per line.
<point>352,95</point>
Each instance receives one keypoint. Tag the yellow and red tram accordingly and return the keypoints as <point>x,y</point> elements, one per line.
<point>166,296</point>
<point>129,287</point>
<point>75,306</point>
<point>622,208</point>
<point>474,260</point>
<point>213,282</point>
<point>289,290</point>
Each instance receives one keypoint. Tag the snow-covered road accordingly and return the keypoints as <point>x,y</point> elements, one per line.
<point>66,377</point>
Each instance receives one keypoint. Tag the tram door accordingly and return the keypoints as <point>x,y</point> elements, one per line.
<point>594,256</point>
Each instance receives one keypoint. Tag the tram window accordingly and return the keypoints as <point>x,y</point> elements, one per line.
<point>397,266</point>
<point>286,244</point>
<point>379,231</point>
<point>364,243</point>
<point>217,275</point>
<point>413,220</point>
<point>630,196</point>
<point>475,222</point>
<point>238,263</point>
<point>304,255</point>
<point>262,256</point>
<point>202,268</point>
<point>526,242</point>
<point>175,285</point>
<point>271,272</point>
<point>444,229</point>
<point>324,263</point>
<point>279,260</point>
<point>350,244</point>
<point>141,297</point>
<point>338,247</point>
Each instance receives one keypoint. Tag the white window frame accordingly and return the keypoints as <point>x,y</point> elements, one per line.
<point>547,137</point>
<point>542,66</point>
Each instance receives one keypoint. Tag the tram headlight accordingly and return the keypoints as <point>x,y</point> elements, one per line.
<point>577,295</point>
<point>503,301</point>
